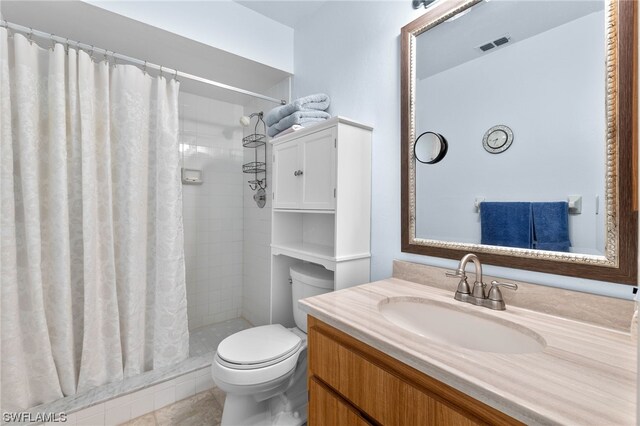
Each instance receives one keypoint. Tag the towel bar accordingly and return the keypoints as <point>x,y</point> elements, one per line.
<point>575,204</point>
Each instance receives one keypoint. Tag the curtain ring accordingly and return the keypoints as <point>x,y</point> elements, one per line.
<point>115,60</point>
<point>6,25</point>
<point>53,42</point>
<point>160,70</point>
<point>144,67</point>
<point>175,76</point>
<point>30,35</point>
<point>66,46</point>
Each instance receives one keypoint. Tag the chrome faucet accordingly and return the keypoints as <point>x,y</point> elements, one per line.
<point>492,300</point>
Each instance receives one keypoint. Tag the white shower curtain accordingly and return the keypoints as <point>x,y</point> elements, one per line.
<point>92,257</point>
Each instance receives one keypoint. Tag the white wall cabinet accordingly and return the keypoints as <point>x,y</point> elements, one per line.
<point>304,172</point>
<point>323,214</point>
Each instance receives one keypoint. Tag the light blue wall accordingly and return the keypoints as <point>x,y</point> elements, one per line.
<point>351,50</point>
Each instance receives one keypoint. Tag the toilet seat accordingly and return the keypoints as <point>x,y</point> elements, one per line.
<point>258,347</point>
<point>258,355</point>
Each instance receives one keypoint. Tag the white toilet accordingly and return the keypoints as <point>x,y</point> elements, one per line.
<point>263,369</point>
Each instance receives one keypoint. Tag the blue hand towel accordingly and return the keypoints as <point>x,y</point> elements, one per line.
<point>318,101</point>
<point>551,226</point>
<point>299,117</point>
<point>506,224</point>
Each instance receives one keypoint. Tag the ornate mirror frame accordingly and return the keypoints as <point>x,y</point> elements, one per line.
<point>620,262</point>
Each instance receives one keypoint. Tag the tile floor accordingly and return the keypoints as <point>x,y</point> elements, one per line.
<point>204,408</point>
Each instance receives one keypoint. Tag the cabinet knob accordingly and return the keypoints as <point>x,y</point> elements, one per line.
<point>297,173</point>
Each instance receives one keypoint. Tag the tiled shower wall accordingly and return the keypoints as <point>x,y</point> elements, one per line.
<point>210,138</point>
<point>257,228</point>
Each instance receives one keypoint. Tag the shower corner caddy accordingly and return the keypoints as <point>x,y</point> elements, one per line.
<point>255,141</point>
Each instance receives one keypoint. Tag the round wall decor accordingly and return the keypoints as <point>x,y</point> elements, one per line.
<point>497,139</point>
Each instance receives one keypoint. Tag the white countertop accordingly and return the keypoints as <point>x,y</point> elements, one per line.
<point>586,375</point>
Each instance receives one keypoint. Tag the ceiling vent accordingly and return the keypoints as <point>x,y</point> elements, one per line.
<point>495,43</point>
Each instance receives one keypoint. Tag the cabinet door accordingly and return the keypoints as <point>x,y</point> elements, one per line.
<point>286,183</point>
<point>318,160</point>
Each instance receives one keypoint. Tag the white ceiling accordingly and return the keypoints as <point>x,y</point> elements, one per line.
<point>289,13</point>
<point>437,52</point>
<point>95,26</point>
<point>453,43</point>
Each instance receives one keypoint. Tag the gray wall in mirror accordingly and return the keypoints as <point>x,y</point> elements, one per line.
<point>547,84</point>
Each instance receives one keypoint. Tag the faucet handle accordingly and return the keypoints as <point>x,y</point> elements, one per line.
<point>458,273</point>
<point>494,291</point>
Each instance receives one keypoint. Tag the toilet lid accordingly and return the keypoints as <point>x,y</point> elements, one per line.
<point>259,345</point>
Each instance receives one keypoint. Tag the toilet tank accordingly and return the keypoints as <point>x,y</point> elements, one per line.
<point>308,279</point>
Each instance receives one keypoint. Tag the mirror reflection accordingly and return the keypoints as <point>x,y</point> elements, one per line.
<point>527,76</point>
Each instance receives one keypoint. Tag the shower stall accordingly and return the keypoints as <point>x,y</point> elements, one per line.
<point>221,233</point>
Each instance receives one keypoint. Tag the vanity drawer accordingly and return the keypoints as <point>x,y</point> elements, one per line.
<point>330,409</point>
<point>384,389</point>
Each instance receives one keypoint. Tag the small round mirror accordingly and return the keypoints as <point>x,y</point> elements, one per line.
<point>430,148</point>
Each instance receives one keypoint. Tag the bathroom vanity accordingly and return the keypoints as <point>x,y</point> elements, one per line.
<point>367,366</point>
<point>351,382</point>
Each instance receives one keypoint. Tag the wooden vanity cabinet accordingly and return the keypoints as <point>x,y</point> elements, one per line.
<point>351,383</point>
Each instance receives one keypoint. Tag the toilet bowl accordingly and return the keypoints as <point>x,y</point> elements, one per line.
<point>263,369</point>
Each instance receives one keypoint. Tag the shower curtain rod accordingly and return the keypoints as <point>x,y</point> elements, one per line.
<point>96,50</point>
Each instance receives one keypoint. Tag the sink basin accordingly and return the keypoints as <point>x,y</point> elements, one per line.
<point>457,326</point>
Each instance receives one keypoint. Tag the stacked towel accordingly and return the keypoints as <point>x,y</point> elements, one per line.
<point>300,118</point>
<point>303,112</point>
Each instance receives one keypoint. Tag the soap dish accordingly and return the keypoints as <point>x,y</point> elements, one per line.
<point>191,176</point>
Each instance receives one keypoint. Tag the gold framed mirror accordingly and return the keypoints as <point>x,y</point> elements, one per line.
<point>579,137</point>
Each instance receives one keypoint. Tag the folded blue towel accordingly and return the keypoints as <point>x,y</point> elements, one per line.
<point>318,102</point>
<point>506,224</point>
<point>299,117</point>
<point>551,226</point>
